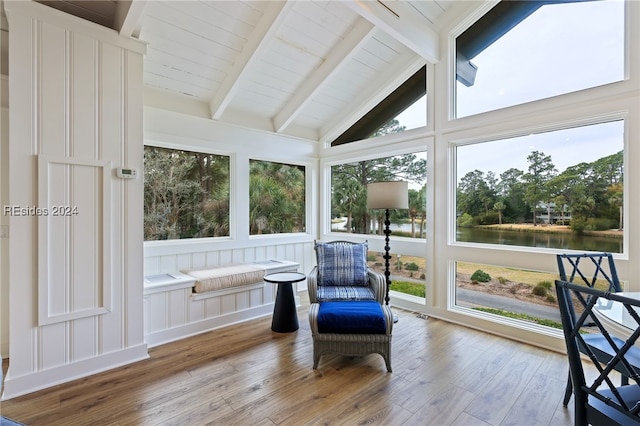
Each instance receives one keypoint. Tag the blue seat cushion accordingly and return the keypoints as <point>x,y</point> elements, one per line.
<point>603,351</point>
<point>342,264</point>
<point>355,317</point>
<point>329,293</point>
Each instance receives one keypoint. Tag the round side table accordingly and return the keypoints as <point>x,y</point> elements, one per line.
<point>285,314</point>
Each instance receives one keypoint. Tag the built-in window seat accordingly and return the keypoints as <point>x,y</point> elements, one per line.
<point>192,301</point>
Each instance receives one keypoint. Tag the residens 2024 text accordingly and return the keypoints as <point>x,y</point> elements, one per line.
<point>40,211</point>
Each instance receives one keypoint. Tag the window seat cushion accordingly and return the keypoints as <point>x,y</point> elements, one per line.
<point>357,317</point>
<point>223,277</point>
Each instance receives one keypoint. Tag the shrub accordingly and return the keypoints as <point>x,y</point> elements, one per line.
<point>465,221</point>
<point>578,224</point>
<point>502,280</point>
<point>411,266</point>
<point>602,224</point>
<point>371,257</point>
<point>546,284</point>
<point>490,218</point>
<point>539,290</point>
<point>480,276</point>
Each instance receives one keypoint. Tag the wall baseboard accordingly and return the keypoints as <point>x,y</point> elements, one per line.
<point>18,386</point>
<point>191,329</point>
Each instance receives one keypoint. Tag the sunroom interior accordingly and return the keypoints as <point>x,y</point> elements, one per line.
<point>89,89</point>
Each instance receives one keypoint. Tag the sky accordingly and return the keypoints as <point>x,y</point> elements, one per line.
<point>576,46</point>
<point>566,148</point>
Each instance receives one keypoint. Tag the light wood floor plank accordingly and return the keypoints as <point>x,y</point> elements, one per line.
<point>246,374</point>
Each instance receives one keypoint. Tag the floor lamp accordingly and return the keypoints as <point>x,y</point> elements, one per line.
<point>387,195</point>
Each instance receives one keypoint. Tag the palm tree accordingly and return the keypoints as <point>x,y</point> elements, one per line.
<point>349,195</point>
<point>417,209</point>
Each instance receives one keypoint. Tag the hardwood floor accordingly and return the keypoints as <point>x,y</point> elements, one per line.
<point>443,374</point>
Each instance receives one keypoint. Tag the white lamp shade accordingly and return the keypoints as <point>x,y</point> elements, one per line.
<point>388,195</point>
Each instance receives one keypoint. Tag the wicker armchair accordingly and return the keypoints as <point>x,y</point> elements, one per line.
<point>342,274</point>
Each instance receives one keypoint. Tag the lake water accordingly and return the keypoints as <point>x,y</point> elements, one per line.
<point>563,241</point>
<point>568,241</point>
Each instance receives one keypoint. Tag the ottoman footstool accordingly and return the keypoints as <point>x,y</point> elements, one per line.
<point>351,328</point>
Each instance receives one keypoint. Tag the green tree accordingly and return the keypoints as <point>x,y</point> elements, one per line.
<point>391,126</point>
<point>541,171</point>
<point>499,207</point>
<point>402,167</point>
<point>179,200</point>
<point>511,189</point>
<point>474,194</point>
<point>349,194</point>
<point>276,198</point>
<point>615,200</point>
<point>417,209</point>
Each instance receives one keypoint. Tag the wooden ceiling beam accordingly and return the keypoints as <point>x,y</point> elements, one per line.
<point>128,17</point>
<point>266,29</point>
<point>343,52</point>
<point>386,83</point>
<point>399,22</point>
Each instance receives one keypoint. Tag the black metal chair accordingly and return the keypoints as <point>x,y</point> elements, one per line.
<point>590,269</point>
<point>599,402</point>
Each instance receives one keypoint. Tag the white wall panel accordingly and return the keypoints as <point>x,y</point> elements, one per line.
<point>196,310</point>
<point>76,278</point>
<point>51,84</point>
<point>156,318</point>
<point>74,238</point>
<point>81,347</point>
<point>227,304</point>
<point>177,308</point>
<point>212,307</point>
<point>52,347</point>
<point>83,95</point>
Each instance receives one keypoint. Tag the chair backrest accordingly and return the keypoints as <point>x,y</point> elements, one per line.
<point>593,269</point>
<point>342,263</point>
<point>599,401</point>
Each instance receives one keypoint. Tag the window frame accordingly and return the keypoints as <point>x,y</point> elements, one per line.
<point>200,150</point>
<point>484,9</point>
<point>386,146</point>
<point>308,181</point>
<point>619,99</point>
<point>543,128</point>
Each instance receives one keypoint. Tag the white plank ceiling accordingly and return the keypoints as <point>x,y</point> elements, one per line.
<point>302,68</point>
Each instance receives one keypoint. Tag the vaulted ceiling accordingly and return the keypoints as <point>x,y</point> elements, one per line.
<point>302,68</point>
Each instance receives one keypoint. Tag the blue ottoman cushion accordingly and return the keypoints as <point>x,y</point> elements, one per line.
<point>359,317</point>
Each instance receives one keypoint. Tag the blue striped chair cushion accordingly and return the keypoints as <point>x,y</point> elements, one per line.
<point>334,292</point>
<point>342,264</point>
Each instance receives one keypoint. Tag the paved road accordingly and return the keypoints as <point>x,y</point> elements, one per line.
<point>471,298</point>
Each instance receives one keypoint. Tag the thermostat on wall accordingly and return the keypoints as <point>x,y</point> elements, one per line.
<point>126,173</point>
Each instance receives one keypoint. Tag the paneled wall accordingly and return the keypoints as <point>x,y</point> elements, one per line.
<point>75,247</point>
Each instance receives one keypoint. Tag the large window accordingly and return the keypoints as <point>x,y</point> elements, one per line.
<point>349,213</point>
<point>560,189</point>
<point>508,293</point>
<point>404,109</point>
<point>521,51</point>
<point>186,194</point>
<point>349,181</point>
<point>276,198</point>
